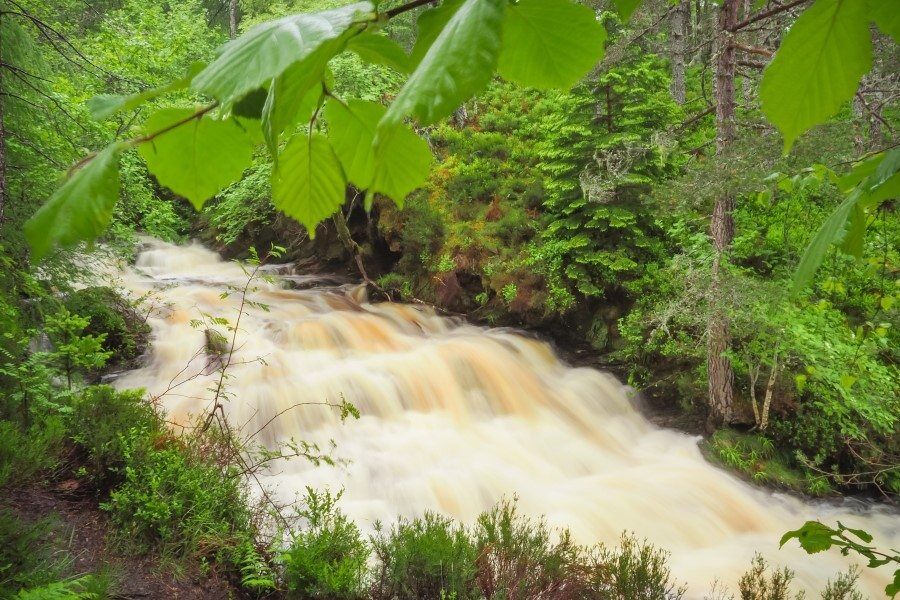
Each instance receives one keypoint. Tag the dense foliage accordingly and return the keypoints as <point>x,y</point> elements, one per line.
<point>559,176</point>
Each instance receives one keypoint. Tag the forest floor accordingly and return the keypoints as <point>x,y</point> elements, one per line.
<point>83,531</point>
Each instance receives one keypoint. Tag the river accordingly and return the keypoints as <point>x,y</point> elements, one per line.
<point>455,417</point>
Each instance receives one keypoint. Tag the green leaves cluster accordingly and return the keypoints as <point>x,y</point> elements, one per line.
<point>866,186</point>
<point>821,61</point>
<point>817,537</point>
<point>275,78</point>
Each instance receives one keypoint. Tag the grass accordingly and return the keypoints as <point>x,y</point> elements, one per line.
<point>755,457</point>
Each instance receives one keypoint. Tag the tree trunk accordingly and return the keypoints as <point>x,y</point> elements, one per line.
<point>232,18</point>
<point>680,17</point>
<point>3,191</point>
<point>721,375</point>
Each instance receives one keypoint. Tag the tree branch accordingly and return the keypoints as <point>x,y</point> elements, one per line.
<point>766,14</point>
<point>406,8</point>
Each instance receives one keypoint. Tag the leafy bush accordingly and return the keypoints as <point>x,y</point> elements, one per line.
<point>327,558</point>
<point>112,316</point>
<point>245,208</point>
<point>26,452</point>
<point>74,351</point>
<point>175,499</point>
<point>757,457</point>
<point>100,422</point>
<point>633,569</point>
<point>518,558</point>
<point>431,558</point>
<point>758,584</point>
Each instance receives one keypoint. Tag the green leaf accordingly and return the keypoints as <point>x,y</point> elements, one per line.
<point>886,15</point>
<point>309,184</point>
<point>398,165</point>
<point>893,588</point>
<point>889,190</point>
<point>830,231</point>
<point>818,67</point>
<point>862,534</point>
<point>626,8</point>
<point>104,106</point>
<point>351,129</point>
<point>266,50</point>
<point>887,167</point>
<point>251,105</point>
<point>295,93</point>
<point>852,243</point>
<point>458,64</point>
<point>402,163</point>
<point>80,209</point>
<point>198,159</point>
<point>813,537</point>
<point>549,43</point>
<point>380,50</point>
<point>429,26</point>
<point>847,381</point>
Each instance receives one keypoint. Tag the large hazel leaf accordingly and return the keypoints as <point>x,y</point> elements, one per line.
<point>402,163</point>
<point>429,26</point>
<point>199,158</point>
<point>295,93</point>
<point>813,537</point>
<point>351,129</point>
<point>398,165</point>
<point>268,49</point>
<point>549,43</point>
<point>458,64</point>
<point>80,209</point>
<point>886,15</point>
<point>308,184</point>
<point>818,67</point>
<point>381,50</point>
<point>831,231</point>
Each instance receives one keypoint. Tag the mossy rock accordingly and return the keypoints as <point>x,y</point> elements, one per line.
<point>127,332</point>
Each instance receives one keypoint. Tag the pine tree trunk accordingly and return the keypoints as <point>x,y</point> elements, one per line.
<point>232,18</point>
<point>680,17</point>
<point>721,375</point>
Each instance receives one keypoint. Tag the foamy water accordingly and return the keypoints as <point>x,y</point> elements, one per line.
<point>456,417</point>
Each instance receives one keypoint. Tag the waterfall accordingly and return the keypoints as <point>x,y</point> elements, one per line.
<point>455,417</point>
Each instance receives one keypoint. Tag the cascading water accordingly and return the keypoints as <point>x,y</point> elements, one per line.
<point>455,417</point>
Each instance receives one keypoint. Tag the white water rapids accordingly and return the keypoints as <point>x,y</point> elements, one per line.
<point>455,417</point>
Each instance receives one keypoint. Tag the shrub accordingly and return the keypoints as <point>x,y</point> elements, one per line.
<point>111,315</point>
<point>177,500</point>
<point>100,420</point>
<point>517,557</point>
<point>758,584</point>
<point>328,558</point>
<point>29,451</point>
<point>634,569</point>
<point>843,587</point>
<point>431,558</point>
<point>74,351</point>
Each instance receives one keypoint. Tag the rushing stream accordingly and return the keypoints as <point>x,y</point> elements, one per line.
<point>455,417</point>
